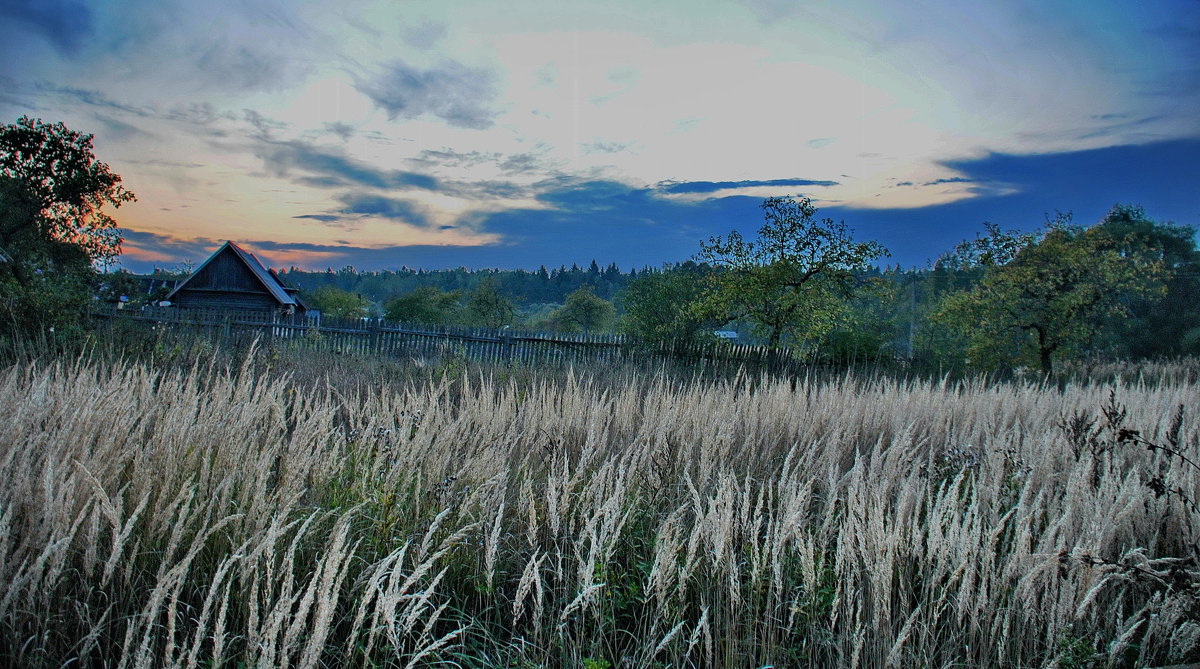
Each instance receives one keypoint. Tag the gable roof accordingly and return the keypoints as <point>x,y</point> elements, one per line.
<point>266,277</point>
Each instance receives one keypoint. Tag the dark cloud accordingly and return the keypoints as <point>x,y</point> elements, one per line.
<point>367,204</point>
<point>951,180</point>
<point>452,158</point>
<point>327,168</point>
<point>67,24</point>
<point>340,129</point>
<point>193,250</point>
<point>90,98</point>
<point>520,163</point>
<point>455,93</point>
<point>676,187</point>
<point>601,146</point>
<point>484,190</point>
<point>264,127</point>
<point>324,218</point>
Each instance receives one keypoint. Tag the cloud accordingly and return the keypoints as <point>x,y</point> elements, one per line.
<point>324,218</point>
<point>328,168</point>
<point>143,250</point>
<point>601,146</point>
<point>451,158</point>
<point>340,129</point>
<point>521,163</point>
<point>681,187</point>
<point>66,24</point>
<point>367,204</point>
<point>90,98</point>
<point>455,93</point>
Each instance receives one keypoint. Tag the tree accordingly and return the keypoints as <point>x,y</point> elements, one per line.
<point>69,188</point>
<point>487,307</point>
<point>1049,296</point>
<point>583,311</point>
<point>668,306</point>
<point>53,226</point>
<point>425,304</point>
<point>334,302</point>
<point>1154,327</point>
<point>791,280</point>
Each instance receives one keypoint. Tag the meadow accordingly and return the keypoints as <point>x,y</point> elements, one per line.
<point>243,515</point>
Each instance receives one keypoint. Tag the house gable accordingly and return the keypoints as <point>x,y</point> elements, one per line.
<point>231,278</point>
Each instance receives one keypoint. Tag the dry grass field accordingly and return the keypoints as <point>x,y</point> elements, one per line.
<point>227,517</point>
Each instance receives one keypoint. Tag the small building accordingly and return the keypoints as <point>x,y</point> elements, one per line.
<point>232,279</point>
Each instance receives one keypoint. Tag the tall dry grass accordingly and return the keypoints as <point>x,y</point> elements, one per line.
<point>226,517</point>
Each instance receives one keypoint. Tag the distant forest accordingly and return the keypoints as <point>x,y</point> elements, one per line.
<point>523,287</point>
<point>1124,287</point>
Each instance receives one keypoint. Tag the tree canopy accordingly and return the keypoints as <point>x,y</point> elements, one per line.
<point>1052,293</point>
<point>58,172</point>
<point>790,280</point>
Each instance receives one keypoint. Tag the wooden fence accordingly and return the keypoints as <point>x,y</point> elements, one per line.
<point>377,337</point>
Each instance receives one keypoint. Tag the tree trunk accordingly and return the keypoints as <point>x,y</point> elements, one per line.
<point>1047,364</point>
<point>1044,351</point>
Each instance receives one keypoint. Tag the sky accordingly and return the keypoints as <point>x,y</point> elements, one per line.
<point>382,134</point>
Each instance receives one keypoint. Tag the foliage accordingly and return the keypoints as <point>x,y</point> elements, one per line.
<point>871,326</point>
<point>667,306</point>
<point>523,287</point>
<point>336,303</point>
<point>583,311</point>
<point>53,226</point>
<point>69,187</point>
<point>790,281</point>
<point>1155,325</point>
<point>487,307</point>
<point>1045,295</point>
<point>426,305</point>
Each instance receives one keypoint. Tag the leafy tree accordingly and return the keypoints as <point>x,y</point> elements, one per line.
<point>53,226</point>
<point>583,311</point>
<point>668,306</point>
<point>426,304</point>
<point>337,303</point>
<point>487,307</point>
<point>791,280</point>
<point>1051,295</point>
<point>69,188</point>
<point>1154,327</point>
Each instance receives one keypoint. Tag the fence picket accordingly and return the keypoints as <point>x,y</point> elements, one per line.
<point>377,337</point>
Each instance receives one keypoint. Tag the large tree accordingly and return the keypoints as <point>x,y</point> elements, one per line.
<point>334,302</point>
<point>668,306</point>
<point>791,280</point>
<point>56,170</point>
<point>1154,327</point>
<point>583,311</point>
<point>425,305</point>
<point>53,225</point>
<point>1046,294</point>
<point>487,307</point>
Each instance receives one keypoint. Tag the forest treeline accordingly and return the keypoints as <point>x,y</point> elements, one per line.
<point>1125,287</point>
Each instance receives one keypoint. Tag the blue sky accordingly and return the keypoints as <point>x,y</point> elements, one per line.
<point>436,134</point>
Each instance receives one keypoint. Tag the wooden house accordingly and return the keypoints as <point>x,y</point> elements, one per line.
<point>232,279</point>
